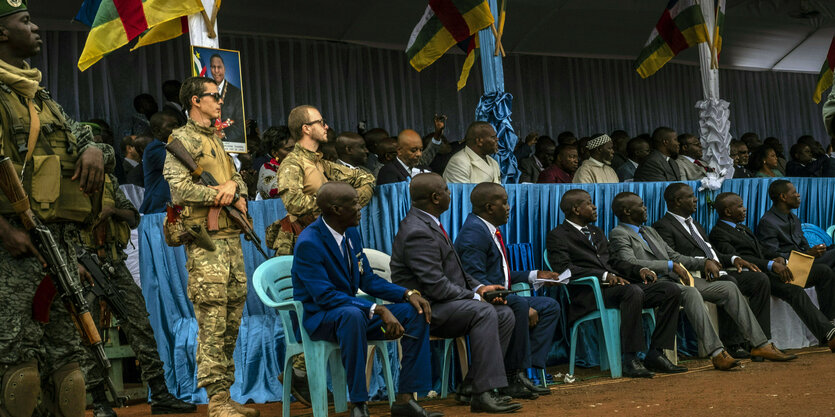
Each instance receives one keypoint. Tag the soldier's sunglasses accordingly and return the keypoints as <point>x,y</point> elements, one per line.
<point>216,96</point>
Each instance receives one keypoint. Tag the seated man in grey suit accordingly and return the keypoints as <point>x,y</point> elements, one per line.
<point>660,165</point>
<point>424,259</point>
<point>642,245</point>
<point>689,158</point>
<point>780,230</point>
<point>687,236</point>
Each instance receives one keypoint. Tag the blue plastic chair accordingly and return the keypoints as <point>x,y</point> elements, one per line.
<point>274,286</point>
<point>815,235</point>
<point>830,231</point>
<point>608,325</point>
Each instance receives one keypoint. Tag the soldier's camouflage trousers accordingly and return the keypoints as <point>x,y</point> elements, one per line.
<point>217,289</point>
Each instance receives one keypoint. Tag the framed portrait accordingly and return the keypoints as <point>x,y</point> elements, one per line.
<point>224,66</point>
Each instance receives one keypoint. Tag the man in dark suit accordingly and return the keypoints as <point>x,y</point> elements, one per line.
<point>578,245</point>
<point>423,258</point>
<point>642,245</point>
<point>731,234</point>
<point>542,158</point>
<point>409,154</point>
<point>687,237</point>
<point>328,269</point>
<point>739,153</point>
<point>232,107</point>
<point>484,256</point>
<point>660,165</point>
<point>780,230</point>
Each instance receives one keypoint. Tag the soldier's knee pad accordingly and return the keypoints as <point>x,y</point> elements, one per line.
<point>70,396</point>
<point>19,390</point>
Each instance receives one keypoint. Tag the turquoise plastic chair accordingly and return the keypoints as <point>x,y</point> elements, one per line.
<point>608,325</point>
<point>274,286</point>
<point>815,235</point>
<point>830,231</point>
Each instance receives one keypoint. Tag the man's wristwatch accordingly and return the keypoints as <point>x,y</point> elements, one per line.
<point>409,294</point>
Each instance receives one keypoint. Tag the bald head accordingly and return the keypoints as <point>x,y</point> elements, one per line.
<point>350,147</point>
<point>409,147</point>
<point>333,194</point>
<point>571,199</point>
<point>489,202</point>
<point>429,193</point>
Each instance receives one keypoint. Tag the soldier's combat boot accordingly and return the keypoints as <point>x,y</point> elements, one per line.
<point>101,405</point>
<point>248,412</point>
<point>162,402</point>
<point>219,406</point>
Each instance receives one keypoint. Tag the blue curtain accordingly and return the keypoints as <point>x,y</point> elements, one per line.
<point>534,212</point>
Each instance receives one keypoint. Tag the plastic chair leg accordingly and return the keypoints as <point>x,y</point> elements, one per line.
<point>382,349</point>
<point>445,367</point>
<point>288,380</point>
<point>573,354</point>
<point>542,378</point>
<point>602,344</point>
<point>340,387</point>
<point>611,331</point>
<point>317,377</point>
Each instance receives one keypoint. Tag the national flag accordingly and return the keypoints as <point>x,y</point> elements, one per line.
<point>720,25</point>
<point>470,47</point>
<point>198,68</point>
<point>681,26</point>
<point>444,24</point>
<point>163,32</point>
<point>87,13</point>
<point>117,22</point>
<point>826,75</point>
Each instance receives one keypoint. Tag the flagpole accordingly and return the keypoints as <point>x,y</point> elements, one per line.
<point>198,29</point>
<point>714,123</point>
<point>495,104</point>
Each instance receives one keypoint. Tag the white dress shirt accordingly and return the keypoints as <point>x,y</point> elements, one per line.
<point>338,238</point>
<point>505,265</point>
<point>683,222</point>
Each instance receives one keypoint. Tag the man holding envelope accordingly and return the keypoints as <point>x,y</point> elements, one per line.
<point>731,234</point>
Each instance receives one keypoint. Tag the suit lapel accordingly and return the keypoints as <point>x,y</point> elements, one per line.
<point>401,170</point>
<point>330,243</point>
<point>675,223</point>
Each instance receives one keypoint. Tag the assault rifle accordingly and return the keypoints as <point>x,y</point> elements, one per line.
<point>176,148</point>
<point>56,267</point>
<point>102,287</point>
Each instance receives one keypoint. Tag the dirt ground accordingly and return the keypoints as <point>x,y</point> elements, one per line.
<point>803,387</point>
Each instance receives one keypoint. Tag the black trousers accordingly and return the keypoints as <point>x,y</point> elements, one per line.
<point>817,320</point>
<point>756,286</point>
<point>631,299</point>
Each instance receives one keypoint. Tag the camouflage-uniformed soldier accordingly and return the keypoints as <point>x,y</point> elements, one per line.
<point>216,276</point>
<point>62,166</point>
<point>301,174</point>
<point>108,237</point>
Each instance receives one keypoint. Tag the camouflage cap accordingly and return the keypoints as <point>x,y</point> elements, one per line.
<point>8,7</point>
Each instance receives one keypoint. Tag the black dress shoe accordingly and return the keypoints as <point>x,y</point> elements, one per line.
<point>515,389</point>
<point>738,352</point>
<point>464,393</point>
<point>412,409</point>
<point>536,389</point>
<point>486,403</point>
<point>359,410</point>
<point>660,364</point>
<point>635,369</point>
<point>165,403</point>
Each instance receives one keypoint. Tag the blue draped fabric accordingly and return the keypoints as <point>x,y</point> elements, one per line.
<point>534,212</point>
<point>495,108</point>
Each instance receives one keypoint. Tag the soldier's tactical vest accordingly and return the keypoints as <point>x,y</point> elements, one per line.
<point>314,178</point>
<point>116,232</point>
<point>214,160</point>
<point>53,196</point>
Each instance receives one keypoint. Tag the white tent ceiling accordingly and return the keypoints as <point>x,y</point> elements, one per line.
<point>780,35</point>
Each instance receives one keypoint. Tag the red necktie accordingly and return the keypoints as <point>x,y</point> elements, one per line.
<point>504,255</point>
<point>444,231</point>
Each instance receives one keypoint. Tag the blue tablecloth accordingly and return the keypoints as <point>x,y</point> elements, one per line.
<point>534,211</point>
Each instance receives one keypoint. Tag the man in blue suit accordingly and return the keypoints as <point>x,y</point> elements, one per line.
<point>328,269</point>
<point>484,256</point>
